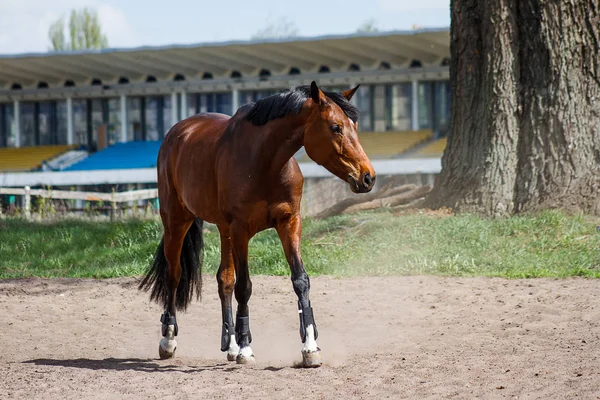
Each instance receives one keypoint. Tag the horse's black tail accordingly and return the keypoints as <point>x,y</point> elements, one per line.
<point>191,260</point>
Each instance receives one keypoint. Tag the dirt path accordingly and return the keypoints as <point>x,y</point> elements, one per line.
<point>399,337</point>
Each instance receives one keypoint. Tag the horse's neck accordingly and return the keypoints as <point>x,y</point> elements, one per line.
<point>284,137</point>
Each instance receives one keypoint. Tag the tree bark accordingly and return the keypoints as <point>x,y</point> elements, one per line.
<point>524,130</point>
<point>559,148</point>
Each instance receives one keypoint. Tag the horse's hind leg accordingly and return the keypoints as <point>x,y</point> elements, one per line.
<point>175,232</point>
<point>226,281</point>
<point>289,231</point>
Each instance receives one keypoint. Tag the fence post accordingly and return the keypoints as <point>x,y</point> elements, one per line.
<point>113,207</point>
<point>27,202</point>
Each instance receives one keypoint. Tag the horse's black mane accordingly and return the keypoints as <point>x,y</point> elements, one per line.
<point>290,102</point>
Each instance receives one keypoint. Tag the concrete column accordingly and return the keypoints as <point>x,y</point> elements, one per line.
<point>184,105</point>
<point>17,122</point>
<point>415,106</point>
<point>235,100</point>
<point>124,118</point>
<point>70,127</point>
<point>174,113</point>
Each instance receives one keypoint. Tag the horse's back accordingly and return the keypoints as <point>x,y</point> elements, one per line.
<point>186,163</point>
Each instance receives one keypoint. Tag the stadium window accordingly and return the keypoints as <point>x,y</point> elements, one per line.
<point>3,126</point>
<point>364,102</point>
<point>179,77</point>
<point>264,74</point>
<point>153,117</point>
<point>398,106</point>
<point>27,122</point>
<point>123,80</point>
<point>80,122</point>
<point>323,69</point>
<point>150,79</point>
<point>16,86</point>
<point>384,65</point>
<point>236,74</point>
<point>416,64</point>
<point>354,67</point>
<point>113,130</point>
<point>294,71</point>
<point>441,101</point>
<point>224,103</point>
<point>425,99</point>
<point>69,83</point>
<point>135,129</point>
<point>42,85</point>
<point>46,123</point>
<point>207,75</point>
<point>96,82</point>
<point>61,122</point>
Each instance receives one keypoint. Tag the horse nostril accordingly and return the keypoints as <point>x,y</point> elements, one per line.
<point>367,180</point>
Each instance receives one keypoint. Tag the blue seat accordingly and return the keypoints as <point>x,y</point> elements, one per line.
<point>121,156</point>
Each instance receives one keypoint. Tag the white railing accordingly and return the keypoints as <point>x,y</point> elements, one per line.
<point>112,198</point>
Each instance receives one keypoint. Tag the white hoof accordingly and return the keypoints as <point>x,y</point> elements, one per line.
<point>168,344</point>
<point>166,348</point>
<point>233,350</point>
<point>311,359</point>
<point>245,356</point>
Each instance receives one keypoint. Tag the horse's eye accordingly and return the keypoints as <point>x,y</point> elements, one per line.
<point>336,128</point>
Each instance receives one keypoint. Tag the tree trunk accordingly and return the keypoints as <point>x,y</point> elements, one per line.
<point>524,127</point>
<point>559,145</point>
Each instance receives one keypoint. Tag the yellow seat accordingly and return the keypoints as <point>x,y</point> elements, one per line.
<point>435,148</point>
<point>391,144</point>
<point>28,158</point>
<point>387,144</point>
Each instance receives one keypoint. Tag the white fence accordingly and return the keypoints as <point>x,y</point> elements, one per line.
<point>112,198</point>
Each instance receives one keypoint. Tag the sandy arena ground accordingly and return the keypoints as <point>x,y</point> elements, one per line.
<point>397,337</point>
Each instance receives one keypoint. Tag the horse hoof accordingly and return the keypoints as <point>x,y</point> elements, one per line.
<point>165,354</point>
<point>245,360</point>
<point>311,359</point>
<point>245,356</point>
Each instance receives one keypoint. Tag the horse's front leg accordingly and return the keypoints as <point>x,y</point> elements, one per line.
<point>290,231</point>
<point>243,291</point>
<point>226,281</point>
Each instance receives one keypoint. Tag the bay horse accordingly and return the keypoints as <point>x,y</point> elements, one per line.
<point>239,173</point>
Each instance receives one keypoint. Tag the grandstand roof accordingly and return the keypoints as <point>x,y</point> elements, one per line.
<point>277,56</point>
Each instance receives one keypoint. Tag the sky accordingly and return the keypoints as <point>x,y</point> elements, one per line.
<point>130,23</point>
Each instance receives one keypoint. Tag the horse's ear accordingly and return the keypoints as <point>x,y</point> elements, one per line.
<point>315,92</point>
<point>350,92</point>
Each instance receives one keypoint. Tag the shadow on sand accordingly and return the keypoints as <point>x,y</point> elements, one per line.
<point>129,364</point>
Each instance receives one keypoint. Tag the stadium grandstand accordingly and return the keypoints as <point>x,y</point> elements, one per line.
<point>97,117</point>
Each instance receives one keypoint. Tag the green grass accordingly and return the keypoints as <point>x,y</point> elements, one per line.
<point>550,244</point>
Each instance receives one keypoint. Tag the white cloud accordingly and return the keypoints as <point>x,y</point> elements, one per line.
<point>24,23</point>
<point>410,5</point>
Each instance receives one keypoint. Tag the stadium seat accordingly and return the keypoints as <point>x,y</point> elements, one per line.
<point>381,145</point>
<point>121,156</point>
<point>29,158</point>
<point>435,148</point>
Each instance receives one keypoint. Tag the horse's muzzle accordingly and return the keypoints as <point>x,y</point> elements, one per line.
<point>364,185</point>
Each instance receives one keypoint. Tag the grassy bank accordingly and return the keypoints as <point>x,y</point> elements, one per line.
<point>547,245</point>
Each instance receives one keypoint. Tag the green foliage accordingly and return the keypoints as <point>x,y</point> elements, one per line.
<point>84,32</point>
<point>280,29</point>
<point>377,243</point>
<point>368,26</point>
